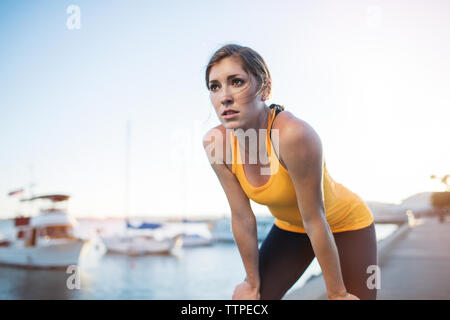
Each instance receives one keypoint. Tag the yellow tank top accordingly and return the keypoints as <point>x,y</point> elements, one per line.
<point>344,209</point>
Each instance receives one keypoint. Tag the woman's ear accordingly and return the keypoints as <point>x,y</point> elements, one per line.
<point>267,90</point>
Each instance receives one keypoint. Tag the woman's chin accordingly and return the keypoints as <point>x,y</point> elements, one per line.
<point>231,124</point>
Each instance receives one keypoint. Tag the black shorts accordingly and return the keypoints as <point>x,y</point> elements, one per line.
<point>284,256</point>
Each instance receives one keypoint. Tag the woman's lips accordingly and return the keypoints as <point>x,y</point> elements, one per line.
<point>229,114</point>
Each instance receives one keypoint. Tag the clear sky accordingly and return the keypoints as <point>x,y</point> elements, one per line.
<point>372,78</point>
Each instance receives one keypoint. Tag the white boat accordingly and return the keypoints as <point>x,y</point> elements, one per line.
<point>144,239</point>
<point>194,234</point>
<point>222,231</point>
<point>47,240</point>
<point>196,240</point>
<point>141,245</point>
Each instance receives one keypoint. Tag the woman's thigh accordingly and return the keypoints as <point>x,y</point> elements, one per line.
<point>283,257</point>
<point>357,252</point>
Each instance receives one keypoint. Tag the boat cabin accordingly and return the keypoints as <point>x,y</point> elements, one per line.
<point>50,224</point>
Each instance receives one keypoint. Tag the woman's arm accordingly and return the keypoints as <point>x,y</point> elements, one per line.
<point>243,220</point>
<point>301,151</point>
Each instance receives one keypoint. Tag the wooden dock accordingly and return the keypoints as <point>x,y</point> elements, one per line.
<point>414,263</point>
<point>418,267</point>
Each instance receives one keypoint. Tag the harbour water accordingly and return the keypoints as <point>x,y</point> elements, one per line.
<point>193,273</point>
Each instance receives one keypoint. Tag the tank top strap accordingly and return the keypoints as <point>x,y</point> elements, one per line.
<point>233,151</point>
<point>234,142</point>
<point>269,127</point>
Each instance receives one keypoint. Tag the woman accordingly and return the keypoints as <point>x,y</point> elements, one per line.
<point>336,226</point>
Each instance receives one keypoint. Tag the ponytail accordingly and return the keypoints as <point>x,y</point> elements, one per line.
<point>277,107</point>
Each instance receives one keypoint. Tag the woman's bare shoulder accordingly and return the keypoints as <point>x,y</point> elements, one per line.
<point>215,139</point>
<point>296,136</point>
<point>288,124</point>
<point>217,132</point>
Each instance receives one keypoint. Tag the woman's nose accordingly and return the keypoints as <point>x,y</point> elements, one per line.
<point>226,97</point>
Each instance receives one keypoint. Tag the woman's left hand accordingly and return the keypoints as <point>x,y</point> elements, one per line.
<point>244,291</point>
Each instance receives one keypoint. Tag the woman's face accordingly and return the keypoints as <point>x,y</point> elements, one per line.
<point>232,93</point>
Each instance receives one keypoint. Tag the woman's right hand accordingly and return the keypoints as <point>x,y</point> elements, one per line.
<point>347,296</point>
<point>244,291</point>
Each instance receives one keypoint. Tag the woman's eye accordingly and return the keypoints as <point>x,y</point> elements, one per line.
<point>237,82</point>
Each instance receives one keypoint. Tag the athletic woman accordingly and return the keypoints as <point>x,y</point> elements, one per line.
<point>314,215</point>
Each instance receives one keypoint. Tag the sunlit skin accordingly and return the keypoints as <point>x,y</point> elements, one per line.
<point>300,152</point>
<point>232,87</point>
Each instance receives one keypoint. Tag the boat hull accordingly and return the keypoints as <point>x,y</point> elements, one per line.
<point>52,256</point>
<point>135,246</point>
<point>190,241</point>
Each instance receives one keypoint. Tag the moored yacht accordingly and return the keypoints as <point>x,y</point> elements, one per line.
<point>143,239</point>
<point>47,240</point>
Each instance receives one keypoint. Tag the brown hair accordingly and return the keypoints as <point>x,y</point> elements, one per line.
<point>252,63</point>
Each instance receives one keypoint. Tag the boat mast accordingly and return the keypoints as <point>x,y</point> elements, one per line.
<point>31,191</point>
<point>127,170</point>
